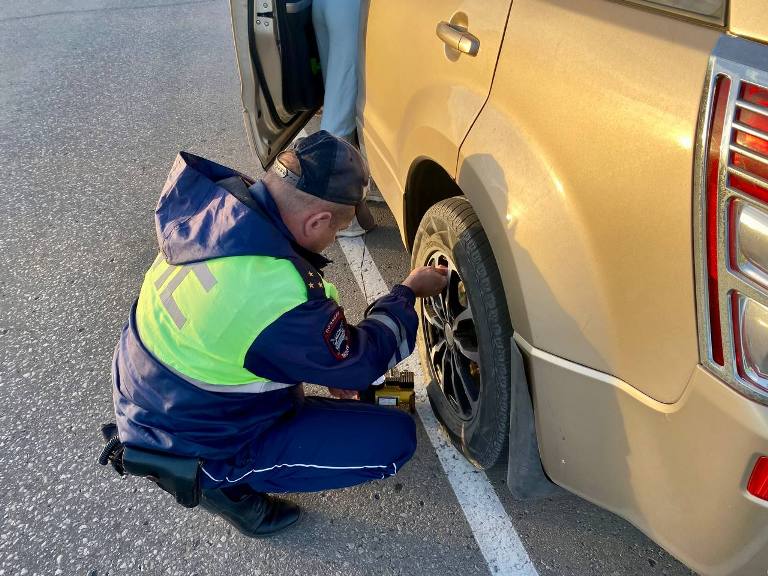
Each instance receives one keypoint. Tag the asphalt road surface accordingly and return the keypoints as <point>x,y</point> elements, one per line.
<point>96,98</point>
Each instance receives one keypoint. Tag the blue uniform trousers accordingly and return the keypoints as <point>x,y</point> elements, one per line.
<point>324,444</point>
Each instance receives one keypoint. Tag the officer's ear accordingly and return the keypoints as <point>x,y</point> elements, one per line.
<point>318,222</point>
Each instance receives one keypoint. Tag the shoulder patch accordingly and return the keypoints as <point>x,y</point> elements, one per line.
<point>336,335</point>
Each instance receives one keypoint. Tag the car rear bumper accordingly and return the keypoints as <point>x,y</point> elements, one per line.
<point>676,471</point>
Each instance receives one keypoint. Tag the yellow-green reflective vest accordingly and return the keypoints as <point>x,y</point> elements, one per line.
<point>200,319</point>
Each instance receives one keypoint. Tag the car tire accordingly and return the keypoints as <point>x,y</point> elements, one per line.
<point>476,419</point>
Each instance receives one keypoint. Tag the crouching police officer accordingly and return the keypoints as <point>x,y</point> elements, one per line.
<point>234,315</point>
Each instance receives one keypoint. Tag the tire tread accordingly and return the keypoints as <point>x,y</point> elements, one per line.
<point>458,213</point>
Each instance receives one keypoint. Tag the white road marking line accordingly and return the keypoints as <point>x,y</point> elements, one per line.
<point>493,530</point>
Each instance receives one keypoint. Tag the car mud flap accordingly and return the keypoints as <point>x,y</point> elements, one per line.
<point>526,478</point>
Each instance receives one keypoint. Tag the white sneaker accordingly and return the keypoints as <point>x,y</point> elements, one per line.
<point>351,231</point>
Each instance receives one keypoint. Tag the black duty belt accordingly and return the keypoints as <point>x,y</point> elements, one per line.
<point>177,475</point>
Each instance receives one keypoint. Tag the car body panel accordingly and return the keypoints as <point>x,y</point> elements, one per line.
<point>588,207</point>
<point>598,221</point>
<point>676,471</point>
<point>416,93</point>
<point>572,134</point>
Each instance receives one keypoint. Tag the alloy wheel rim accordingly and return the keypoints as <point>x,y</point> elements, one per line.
<point>451,340</point>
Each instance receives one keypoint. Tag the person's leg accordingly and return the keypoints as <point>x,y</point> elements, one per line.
<point>362,222</point>
<point>337,30</point>
<point>341,19</point>
<point>319,9</point>
<point>327,444</point>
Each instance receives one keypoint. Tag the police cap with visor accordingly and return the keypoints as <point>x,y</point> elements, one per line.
<point>331,169</point>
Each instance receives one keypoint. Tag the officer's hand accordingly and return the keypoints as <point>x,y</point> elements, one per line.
<point>343,394</point>
<point>427,280</point>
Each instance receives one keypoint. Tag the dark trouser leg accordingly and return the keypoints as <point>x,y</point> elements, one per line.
<point>327,444</point>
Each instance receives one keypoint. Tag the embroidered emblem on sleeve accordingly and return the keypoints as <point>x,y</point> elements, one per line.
<point>336,335</point>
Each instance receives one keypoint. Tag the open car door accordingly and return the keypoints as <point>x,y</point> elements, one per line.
<point>273,37</point>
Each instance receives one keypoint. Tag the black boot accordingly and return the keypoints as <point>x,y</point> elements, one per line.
<point>254,514</point>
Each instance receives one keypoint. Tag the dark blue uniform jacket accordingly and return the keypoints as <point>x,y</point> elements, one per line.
<point>197,219</point>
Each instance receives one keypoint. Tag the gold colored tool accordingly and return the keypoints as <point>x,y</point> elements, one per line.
<point>396,391</point>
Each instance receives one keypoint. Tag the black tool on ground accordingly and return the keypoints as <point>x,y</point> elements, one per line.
<point>396,390</point>
<point>177,475</point>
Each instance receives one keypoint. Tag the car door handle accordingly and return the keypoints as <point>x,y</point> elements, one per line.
<point>457,39</point>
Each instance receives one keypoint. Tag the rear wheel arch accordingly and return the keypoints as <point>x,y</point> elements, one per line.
<point>427,184</point>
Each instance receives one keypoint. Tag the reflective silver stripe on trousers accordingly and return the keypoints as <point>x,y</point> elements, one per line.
<point>247,388</point>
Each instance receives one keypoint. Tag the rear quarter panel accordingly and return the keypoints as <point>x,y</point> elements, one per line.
<point>580,168</point>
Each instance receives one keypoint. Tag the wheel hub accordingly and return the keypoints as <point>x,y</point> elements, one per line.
<point>448,335</point>
<point>451,341</point>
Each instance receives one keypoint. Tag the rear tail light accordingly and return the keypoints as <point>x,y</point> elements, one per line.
<point>750,321</point>
<point>750,246</point>
<point>731,183</point>
<point>749,150</point>
<point>717,118</point>
<point>758,480</point>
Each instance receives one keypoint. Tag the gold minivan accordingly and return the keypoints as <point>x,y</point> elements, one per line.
<point>595,175</point>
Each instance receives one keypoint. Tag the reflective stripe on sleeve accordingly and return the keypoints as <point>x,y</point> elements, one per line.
<point>393,326</point>
<point>403,350</point>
